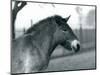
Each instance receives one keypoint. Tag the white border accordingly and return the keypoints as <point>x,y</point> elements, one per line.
<point>5,37</point>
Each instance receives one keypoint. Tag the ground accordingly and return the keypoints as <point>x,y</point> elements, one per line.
<point>82,60</point>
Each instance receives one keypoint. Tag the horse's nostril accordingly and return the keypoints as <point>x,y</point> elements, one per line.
<point>76,48</point>
<point>75,45</point>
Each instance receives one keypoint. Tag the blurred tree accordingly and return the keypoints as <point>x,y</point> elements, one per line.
<point>90,19</point>
<point>79,12</point>
<point>17,7</point>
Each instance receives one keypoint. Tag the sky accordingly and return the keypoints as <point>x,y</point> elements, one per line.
<point>39,11</point>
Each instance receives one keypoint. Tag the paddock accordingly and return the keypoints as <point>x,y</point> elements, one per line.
<point>82,60</point>
<point>62,59</point>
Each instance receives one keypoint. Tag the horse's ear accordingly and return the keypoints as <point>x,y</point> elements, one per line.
<point>67,18</point>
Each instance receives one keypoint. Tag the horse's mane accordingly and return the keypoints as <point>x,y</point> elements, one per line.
<point>39,25</point>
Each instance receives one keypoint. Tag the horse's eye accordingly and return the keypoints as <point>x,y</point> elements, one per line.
<point>64,30</point>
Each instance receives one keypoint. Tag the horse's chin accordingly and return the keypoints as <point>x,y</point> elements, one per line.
<point>69,48</point>
<point>76,50</point>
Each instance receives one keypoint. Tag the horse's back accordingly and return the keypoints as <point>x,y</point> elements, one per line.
<point>24,55</point>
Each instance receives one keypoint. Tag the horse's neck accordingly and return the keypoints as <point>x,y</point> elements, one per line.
<point>44,41</point>
<point>52,48</point>
<point>46,46</point>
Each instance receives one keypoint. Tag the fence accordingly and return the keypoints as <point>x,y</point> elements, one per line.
<point>87,40</point>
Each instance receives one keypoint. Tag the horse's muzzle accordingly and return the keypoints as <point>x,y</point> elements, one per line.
<point>75,46</point>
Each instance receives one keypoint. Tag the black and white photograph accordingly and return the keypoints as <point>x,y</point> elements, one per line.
<point>52,37</point>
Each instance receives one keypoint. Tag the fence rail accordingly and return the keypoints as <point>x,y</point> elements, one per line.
<point>87,41</point>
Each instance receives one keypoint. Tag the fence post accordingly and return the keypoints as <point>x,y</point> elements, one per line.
<point>24,30</point>
<point>31,22</point>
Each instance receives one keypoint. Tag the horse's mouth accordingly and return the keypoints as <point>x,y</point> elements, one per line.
<point>76,49</point>
<point>75,45</point>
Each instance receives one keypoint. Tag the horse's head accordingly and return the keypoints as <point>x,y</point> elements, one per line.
<point>66,36</point>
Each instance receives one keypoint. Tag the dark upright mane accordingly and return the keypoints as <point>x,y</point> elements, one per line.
<point>42,23</point>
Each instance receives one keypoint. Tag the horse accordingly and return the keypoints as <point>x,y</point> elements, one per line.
<point>31,52</point>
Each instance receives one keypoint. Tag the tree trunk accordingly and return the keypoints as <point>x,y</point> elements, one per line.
<point>14,14</point>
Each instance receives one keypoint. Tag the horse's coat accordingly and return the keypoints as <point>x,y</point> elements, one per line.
<point>31,52</point>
